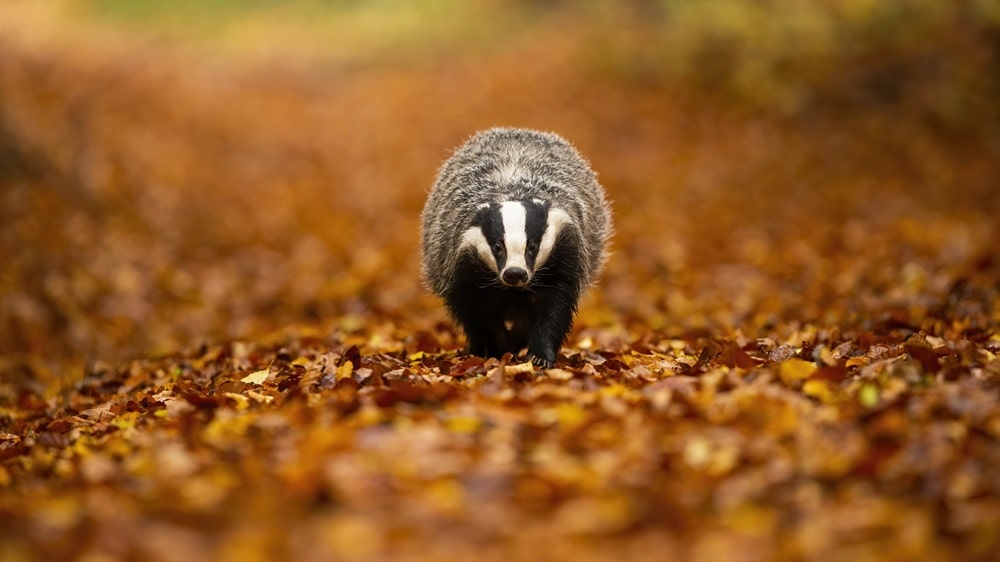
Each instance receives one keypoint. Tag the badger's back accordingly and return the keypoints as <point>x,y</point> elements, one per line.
<point>506,164</point>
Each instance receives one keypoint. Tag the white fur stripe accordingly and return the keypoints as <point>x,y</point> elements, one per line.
<point>558,218</point>
<point>514,233</point>
<point>475,239</point>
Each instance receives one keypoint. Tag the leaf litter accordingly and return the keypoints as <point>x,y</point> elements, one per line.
<point>754,379</point>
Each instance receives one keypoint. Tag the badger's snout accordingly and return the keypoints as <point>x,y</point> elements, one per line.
<point>514,277</point>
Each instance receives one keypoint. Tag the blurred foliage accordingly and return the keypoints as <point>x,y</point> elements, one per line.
<point>938,59</point>
<point>145,158</point>
<point>339,29</point>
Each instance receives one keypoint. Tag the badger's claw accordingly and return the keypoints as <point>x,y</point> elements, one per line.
<point>541,362</point>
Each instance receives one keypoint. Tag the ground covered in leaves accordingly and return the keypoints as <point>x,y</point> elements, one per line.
<point>214,343</point>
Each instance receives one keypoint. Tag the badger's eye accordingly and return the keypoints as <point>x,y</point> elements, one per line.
<point>532,247</point>
<point>498,248</point>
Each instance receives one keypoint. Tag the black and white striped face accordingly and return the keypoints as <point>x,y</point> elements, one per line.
<point>515,238</point>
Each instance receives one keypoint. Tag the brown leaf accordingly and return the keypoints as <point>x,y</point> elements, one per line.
<point>926,356</point>
<point>732,356</point>
<point>61,425</point>
<point>10,448</point>
<point>835,374</point>
<point>353,355</point>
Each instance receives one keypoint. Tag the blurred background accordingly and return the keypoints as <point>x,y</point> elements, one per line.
<point>174,173</point>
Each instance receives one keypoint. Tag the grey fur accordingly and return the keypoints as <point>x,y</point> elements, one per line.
<point>507,164</point>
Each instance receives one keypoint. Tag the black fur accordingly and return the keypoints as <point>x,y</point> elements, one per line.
<point>540,314</point>
<point>489,221</point>
<point>536,217</point>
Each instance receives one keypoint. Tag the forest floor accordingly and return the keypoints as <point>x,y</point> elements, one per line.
<point>215,343</point>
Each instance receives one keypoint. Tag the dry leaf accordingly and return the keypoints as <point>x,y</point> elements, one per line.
<point>256,377</point>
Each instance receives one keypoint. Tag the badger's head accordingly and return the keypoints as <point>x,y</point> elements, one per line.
<point>515,238</point>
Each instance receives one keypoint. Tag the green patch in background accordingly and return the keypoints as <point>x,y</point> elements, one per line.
<point>327,28</point>
<point>935,60</point>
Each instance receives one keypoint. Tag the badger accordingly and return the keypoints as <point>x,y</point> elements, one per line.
<point>514,229</point>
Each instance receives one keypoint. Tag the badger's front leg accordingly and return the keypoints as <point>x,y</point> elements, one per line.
<point>476,313</point>
<point>554,310</point>
<point>480,338</point>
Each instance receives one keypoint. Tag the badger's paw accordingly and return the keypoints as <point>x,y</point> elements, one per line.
<point>541,362</point>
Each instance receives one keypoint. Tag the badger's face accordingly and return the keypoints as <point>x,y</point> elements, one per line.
<point>515,238</point>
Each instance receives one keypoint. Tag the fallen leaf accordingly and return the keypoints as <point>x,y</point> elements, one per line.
<point>795,370</point>
<point>256,377</point>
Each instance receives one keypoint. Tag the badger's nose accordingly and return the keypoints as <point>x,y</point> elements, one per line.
<point>515,276</point>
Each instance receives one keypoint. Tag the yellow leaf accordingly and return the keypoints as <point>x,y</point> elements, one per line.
<point>344,371</point>
<point>616,390</point>
<point>868,396</point>
<point>262,398</point>
<point>241,401</point>
<point>819,389</point>
<point>988,356</point>
<point>526,367</point>
<point>558,374</point>
<point>464,424</point>
<point>826,355</point>
<point>793,370</point>
<point>125,420</point>
<point>569,415</point>
<point>860,361</point>
<point>256,377</point>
